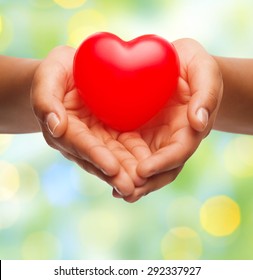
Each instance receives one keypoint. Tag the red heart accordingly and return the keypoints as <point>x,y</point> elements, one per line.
<point>125,83</point>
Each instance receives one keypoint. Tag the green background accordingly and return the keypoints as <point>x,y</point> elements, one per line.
<point>51,209</point>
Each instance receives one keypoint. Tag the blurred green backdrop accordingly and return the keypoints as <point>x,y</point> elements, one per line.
<point>51,209</point>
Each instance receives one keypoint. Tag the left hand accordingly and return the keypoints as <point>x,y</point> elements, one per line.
<point>175,133</point>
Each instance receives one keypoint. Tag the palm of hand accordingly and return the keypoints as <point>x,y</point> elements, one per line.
<point>147,158</point>
<point>171,141</point>
<point>167,135</point>
<point>95,139</point>
<point>138,162</point>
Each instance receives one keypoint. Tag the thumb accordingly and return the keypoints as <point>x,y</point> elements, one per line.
<point>206,86</point>
<point>47,95</point>
<point>198,113</point>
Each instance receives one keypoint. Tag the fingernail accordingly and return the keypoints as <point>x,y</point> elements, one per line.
<point>118,191</point>
<point>104,172</point>
<point>203,116</point>
<point>52,122</point>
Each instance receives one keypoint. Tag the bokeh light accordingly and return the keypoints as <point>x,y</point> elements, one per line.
<point>50,208</point>
<point>57,187</point>
<point>1,25</point>
<point>5,33</point>
<point>181,243</point>
<point>42,4</point>
<point>41,245</point>
<point>220,215</point>
<point>70,4</point>
<point>83,24</point>
<point>9,180</point>
<point>238,157</point>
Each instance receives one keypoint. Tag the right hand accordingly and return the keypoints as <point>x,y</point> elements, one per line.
<point>69,127</point>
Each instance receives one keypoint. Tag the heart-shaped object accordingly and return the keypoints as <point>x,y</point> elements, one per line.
<point>125,84</point>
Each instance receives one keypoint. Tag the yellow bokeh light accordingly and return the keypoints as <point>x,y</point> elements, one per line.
<point>6,33</point>
<point>220,215</point>
<point>238,157</point>
<point>70,4</point>
<point>181,243</point>
<point>41,245</point>
<point>9,180</point>
<point>5,139</point>
<point>83,24</point>
<point>1,25</point>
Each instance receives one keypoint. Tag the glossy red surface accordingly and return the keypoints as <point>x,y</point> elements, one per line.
<point>125,83</point>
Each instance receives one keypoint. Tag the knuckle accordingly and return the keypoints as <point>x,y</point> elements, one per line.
<point>213,99</point>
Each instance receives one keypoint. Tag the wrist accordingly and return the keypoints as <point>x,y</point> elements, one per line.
<point>16,115</point>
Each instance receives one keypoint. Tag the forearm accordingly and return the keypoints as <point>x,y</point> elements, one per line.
<point>16,115</point>
<point>236,109</point>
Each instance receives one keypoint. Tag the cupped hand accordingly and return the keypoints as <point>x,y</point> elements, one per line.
<point>134,163</point>
<point>175,133</point>
<point>69,127</point>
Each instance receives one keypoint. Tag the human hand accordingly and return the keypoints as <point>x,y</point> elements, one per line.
<point>136,162</point>
<point>176,132</point>
<point>69,127</point>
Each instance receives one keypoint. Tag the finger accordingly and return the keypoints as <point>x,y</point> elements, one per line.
<point>81,143</point>
<point>121,182</point>
<point>47,95</point>
<point>154,183</point>
<point>116,193</point>
<point>206,86</point>
<point>175,154</point>
<point>51,82</point>
<point>126,159</point>
<point>135,144</point>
